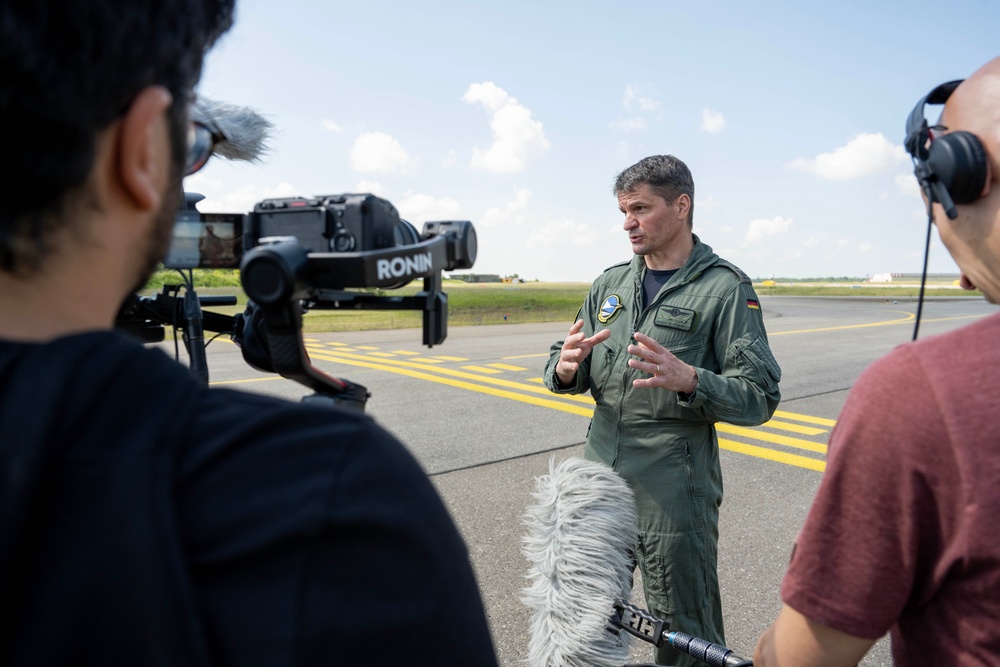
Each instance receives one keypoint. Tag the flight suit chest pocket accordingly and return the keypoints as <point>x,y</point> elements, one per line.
<point>674,317</point>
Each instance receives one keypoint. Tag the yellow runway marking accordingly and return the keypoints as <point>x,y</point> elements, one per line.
<point>481,378</point>
<point>482,369</point>
<point>822,421</point>
<point>773,455</point>
<point>795,428</point>
<point>774,438</point>
<point>909,317</point>
<point>546,403</point>
<point>576,398</point>
<point>267,379</point>
<point>506,367</point>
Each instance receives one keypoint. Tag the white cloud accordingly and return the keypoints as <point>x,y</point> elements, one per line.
<point>709,203</point>
<point>761,228</point>
<point>331,125</point>
<point>379,152</point>
<point>636,100</point>
<point>631,124</point>
<point>556,233</point>
<point>843,243</point>
<point>865,247</point>
<point>510,213</point>
<point>517,137</point>
<point>907,184</point>
<point>450,160</point>
<point>240,200</point>
<point>863,155</point>
<point>418,208</point>
<point>712,121</point>
<point>374,187</point>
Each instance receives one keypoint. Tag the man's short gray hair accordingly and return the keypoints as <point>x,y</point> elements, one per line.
<point>666,176</point>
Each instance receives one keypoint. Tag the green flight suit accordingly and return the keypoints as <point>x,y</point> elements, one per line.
<point>663,443</point>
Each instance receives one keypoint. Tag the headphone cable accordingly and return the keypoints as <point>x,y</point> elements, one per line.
<point>927,252</point>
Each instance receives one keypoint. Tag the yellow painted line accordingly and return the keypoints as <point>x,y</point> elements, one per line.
<point>949,319</point>
<point>795,428</point>
<point>365,347</point>
<point>822,421</point>
<point>772,455</point>
<point>404,368</point>
<point>909,317</point>
<point>528,356</point>
<point>407,353</point>
<point>523,398</point>
<point>444,358</point>
<point>429,360</point>
<point>507,367</point>
<point>773,438</point>
<point>585,399</point>
<point>383,354</point>
<point>267,379</point>
<point>481,369</point>
<point>538,380</point>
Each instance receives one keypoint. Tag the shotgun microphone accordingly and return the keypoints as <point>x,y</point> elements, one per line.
<point>579,543</point>
<point>243,131</point>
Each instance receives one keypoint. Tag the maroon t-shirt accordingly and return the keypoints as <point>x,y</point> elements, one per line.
<point>903,533</point>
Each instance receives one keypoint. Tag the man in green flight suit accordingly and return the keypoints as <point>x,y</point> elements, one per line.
<point>668,344</point>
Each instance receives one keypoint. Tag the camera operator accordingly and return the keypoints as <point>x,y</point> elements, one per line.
<point>147,520</point>
<point>900,537</point>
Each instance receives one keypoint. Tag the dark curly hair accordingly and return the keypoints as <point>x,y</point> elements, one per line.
<point>70,68</point>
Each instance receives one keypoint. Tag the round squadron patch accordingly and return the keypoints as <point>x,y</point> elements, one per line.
<point>609,309</point>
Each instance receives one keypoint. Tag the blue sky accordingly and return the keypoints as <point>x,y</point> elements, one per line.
<point>517,115</point>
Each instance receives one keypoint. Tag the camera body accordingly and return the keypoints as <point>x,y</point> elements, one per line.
<point>331,223</point>
<point>327,223</point>
<point>297,254</point>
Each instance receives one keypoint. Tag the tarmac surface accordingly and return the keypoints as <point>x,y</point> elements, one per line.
<point>475,415</point>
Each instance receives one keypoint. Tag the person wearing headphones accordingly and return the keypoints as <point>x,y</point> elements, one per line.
<point>900,537</point>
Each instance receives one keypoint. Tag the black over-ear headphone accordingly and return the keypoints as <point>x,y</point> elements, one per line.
<point>950,168</point>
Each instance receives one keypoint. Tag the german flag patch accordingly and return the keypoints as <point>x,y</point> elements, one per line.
<point>753,304</point>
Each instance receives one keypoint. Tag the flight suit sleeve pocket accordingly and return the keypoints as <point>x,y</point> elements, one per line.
<point>756,360</point>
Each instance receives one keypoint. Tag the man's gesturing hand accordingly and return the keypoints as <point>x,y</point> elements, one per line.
<point>575,349</point>
<point>668,371</point>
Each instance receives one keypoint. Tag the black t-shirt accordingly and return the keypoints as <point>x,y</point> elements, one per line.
<point>148,520</point>
<point>652,282</point>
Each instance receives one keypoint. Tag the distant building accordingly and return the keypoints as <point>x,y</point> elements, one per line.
<point>911,277</point>
<point>476,277</point>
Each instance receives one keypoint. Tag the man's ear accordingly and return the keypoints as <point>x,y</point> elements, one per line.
<point>144,152</point>
<point>683,206</point>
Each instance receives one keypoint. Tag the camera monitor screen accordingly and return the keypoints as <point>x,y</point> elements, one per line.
<point>213,242</point>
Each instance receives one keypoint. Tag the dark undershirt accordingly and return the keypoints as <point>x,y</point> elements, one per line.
<point>652,283</point>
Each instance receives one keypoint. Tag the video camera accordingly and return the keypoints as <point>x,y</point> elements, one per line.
<point>297,254</point>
